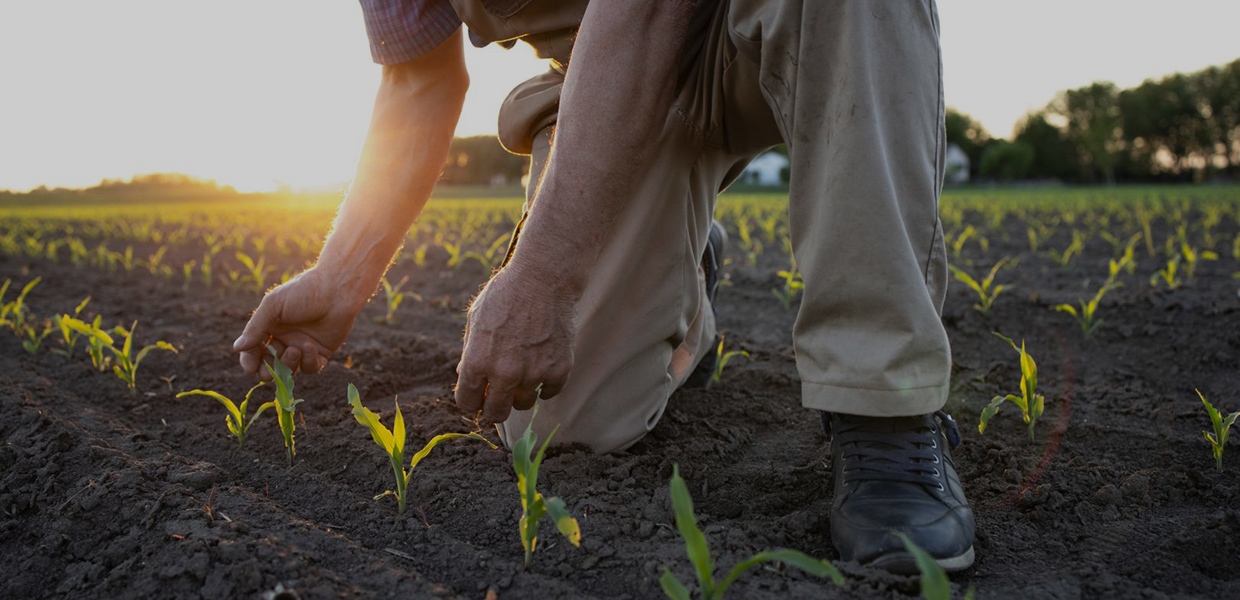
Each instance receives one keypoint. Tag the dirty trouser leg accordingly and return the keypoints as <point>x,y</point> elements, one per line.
<point>855,88</point>
<point>644,321</point>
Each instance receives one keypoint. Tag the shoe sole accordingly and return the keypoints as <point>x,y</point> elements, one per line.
<point>903,563</point>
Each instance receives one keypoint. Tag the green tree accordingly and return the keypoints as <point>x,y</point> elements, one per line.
<point>967,133</point>
<point>1006,161</point>
<point>1092,125</point>
<point>1053,156</point>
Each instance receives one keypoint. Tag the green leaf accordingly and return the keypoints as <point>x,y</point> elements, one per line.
<point>89,330</point>
<point>563,521</point>
<point>370,420</point>
<point>989,412</point>
<point>426,450</point>
<point>674,589</point>
<point>800,560</point>
<point>261,409</point>
<point>1215,418</point>
<point>1068,308</point>
<point>233,411</point>
<point>398,433</point>
<point>696,545</point>
<point>934,583</point>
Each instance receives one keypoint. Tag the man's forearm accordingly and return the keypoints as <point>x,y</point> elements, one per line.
<point>616,98</point>
<point>415,115</point>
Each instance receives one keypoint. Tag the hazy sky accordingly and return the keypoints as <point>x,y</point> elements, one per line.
<point>258,92</point>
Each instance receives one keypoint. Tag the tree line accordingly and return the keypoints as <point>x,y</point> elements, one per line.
<point>1182,127</point>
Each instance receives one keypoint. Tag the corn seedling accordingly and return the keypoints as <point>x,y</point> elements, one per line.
<point>698,550</point>
<point>793,284</point>
<point>15,313</point>
<point>286,404</point>
<point>1168,275</point>
<point>126,367</point>
<point>958,242</point>
<point>67,333</point>
<point>1084,316</point>
<point>187,272</point>
<point>1029,401</point>
<point>1192,256</point>
<point>493,256</point>
<point>393,442</point>
<point>238,424</point>
<point>986,290</point>
<point>724,357</point>
<point>97,340</point>
<point>1065,257</point>
<point>1221,425</point>
<point>257,270</point>
<point>934,582</point>
<point>533,505</point>
<point>393,297</point>
<point>35,336</point>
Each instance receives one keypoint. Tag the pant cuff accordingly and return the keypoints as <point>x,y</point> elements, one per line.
<point>873,403</point>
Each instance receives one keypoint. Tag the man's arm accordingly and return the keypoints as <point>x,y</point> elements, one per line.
<point>616,97</point>
<point>415,115</point>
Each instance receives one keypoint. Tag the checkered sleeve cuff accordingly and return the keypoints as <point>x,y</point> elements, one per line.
<point>402,30</point>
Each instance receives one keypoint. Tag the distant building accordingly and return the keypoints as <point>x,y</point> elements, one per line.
<point>956,166</point>
<point>767,169</point>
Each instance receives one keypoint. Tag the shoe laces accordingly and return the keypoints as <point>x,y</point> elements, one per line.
<point>902,449</point>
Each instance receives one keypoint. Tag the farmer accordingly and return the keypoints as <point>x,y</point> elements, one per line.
<point>604,304</point>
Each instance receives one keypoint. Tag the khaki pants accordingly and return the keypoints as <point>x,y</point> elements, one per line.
<point>854,89</point>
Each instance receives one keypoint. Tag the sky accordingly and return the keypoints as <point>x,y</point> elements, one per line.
<point>260,93</point>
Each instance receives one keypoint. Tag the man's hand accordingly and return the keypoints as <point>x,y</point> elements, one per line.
<point>305,320</point>
<point>518,345</point>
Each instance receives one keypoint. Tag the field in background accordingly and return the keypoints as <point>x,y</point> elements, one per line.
<point>102,491</point>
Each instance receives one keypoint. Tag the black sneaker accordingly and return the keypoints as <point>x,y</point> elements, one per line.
<point>892,475</point>
<point>712,263</point>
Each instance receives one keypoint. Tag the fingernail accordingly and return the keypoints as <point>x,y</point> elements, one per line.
<point>237,342</point>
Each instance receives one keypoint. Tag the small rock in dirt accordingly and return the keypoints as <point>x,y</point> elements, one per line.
<point>1108,495</point>
<point>1035,496</point>
<point>1136,488</point>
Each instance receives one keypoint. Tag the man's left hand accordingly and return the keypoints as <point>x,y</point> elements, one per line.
<point>518,345</point>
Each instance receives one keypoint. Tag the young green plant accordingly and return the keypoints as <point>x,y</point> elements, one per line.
<point>238,424</point>
<point>1029,401</point>
<point>67,333</point>
<point>393,442</point>
<point>793,285</point>
<point>286,404</point>
<point>986,290</point>
<point>934,582</point>
<point>724,357</point>
<point>1221,425</point>
<point>533,505</point>
<point>1085,315</point>
<point>126,367</point>
<point>698,550</point>
<point>393,297</point>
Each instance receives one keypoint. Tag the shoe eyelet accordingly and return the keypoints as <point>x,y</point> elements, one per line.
<point>934,444</point>
<point>941,488</point>
<point>938,474</point>
<point>935,460</point>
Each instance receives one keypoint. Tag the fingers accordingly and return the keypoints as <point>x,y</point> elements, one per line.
<point>525,397</point>
<point>260,325</point>
<point>499,401</point>
<point>470,392</point>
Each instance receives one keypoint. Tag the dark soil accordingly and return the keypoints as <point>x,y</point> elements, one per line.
<point>104,494</point>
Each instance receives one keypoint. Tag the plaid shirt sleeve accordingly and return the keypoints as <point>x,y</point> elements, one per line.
<point>402,30</point>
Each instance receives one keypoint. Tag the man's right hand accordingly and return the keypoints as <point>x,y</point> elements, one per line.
<point>305,319</point>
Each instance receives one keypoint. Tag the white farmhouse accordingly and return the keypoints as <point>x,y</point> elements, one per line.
<point>955,166</point>
<point>766,169</point>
